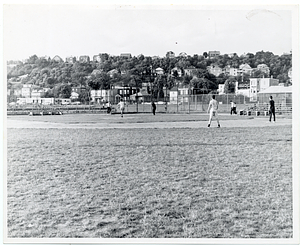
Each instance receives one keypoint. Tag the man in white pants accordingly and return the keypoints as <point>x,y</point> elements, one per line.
<point>213,110</point>
<point>121,105</point>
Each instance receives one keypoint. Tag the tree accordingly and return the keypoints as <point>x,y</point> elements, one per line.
<point>205,55</point>
<point>230,85</point>
<point>63,91</point>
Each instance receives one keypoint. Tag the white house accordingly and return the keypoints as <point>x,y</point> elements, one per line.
<point>259,84</point>
<point>26,90</point>
<point>74,96</point>
<point>159,71</point>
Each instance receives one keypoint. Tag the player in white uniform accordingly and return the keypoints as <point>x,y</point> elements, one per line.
<point>121,105</point>
<point>213,110</point>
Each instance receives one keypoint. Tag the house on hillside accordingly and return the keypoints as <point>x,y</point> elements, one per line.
<point>231,71</point>
<point>159,71</point>
<point>178,71</point>
<point>97,58</point>
<point>170,54</point>
<point>126,55</point>
<point>37,93</point>
<point>112,72</point>
<point>26,90</point>
<point>74,96</point>
<point>245,68</point>
<point>155,57</point>
<point>263,68</point>
<point>183,54</point>
<point>56,58</point>
<point>84,59</point>
<point>212,54</point>
<point>214,69</point>
<point>71,59</point>
<point>190,71</point>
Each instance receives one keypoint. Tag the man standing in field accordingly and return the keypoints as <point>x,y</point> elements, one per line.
<point>213,110</point>
<point>272,108</point>
<point>153,107</point>
<point>121,105</point>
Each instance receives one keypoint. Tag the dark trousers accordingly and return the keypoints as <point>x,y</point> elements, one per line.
<point>153,111</point>
<point>272,111</point>
<point>233,110</point>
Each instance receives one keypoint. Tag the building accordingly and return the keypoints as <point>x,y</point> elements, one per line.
<point>178,70</point>
<point>42,101</point>
<point>74,96</point>
<point>183,54</point>
<point>173,95</point>
<point>71,59</point>
<point>221,89</point>
<point>104,95</point>
<point>26,90</point>
<point>170,54</point>
<point>126,55</point>
<point>259,84</point>
<point>37,93</point>
<point>282,95</point>
<point>212,54</point>
<point>190,71</point>
<point>56,58</point>
<point>180,94</point>
<point>112,72</point>
<point>159,71</point>
<point>97,58</point>
<point>263,68</point>
<point>215,70</point>
<point>245,68</point>
<point>84,59</point>
<point>243,89</point>
<point>231,71</point>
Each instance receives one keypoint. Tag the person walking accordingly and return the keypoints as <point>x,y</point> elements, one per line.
<point>272,108</point>
<point>108,107</point>
<point>121,105</point>
<point>231,107</point>
<point>213,110</point>
<point>234,108</point>
<point>153,106</point>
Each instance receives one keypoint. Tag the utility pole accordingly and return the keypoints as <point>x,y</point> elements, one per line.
<point>136,96</point>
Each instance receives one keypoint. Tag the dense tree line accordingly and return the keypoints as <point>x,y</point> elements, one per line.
<point>60,77</point>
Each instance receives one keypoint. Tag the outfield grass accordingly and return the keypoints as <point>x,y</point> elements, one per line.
<point>162,183</point>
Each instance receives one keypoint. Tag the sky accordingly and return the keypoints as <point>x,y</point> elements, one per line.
<point>78,29</point>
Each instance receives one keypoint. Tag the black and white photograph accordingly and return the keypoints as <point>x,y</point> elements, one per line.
<point>151,123</point>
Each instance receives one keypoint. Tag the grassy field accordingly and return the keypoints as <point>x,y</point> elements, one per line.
<point>144,183</point>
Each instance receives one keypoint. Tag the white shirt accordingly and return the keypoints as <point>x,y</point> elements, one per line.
<point>213,104</point>
<point>122,104</point>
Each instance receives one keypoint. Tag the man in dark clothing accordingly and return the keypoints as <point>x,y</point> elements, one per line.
<point>153,108</point>
<point>272,108</point>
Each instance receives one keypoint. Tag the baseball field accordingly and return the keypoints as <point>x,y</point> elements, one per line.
<point>145,176</point>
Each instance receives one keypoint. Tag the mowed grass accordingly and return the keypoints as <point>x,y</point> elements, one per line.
<point>144,183</point>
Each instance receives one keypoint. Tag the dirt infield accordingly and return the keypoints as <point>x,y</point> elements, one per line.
<point>71,177</point>
<point>139,121</point>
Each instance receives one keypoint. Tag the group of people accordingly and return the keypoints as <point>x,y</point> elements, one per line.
<point>212,110</point>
